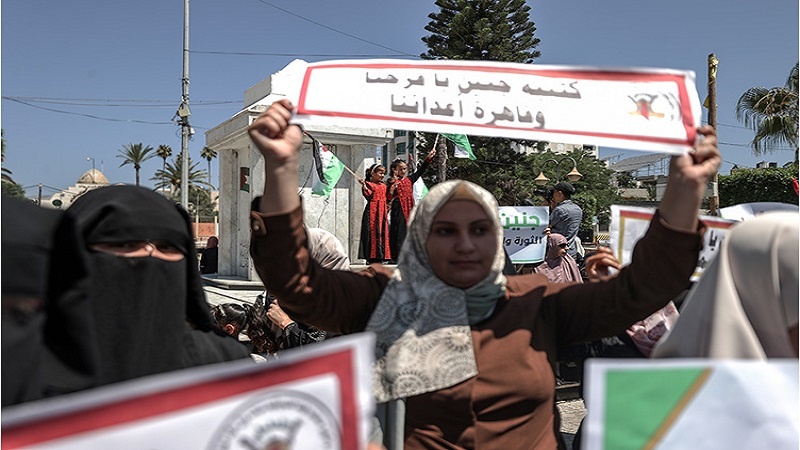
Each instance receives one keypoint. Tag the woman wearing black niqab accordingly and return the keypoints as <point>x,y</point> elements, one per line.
<point>149,310</point>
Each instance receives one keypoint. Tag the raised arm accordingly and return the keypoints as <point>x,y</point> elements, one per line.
<point>334,300</point>
<point>423,167</point>
<point>662,261</point>
<point>279,143</point>
<point>688,175</point>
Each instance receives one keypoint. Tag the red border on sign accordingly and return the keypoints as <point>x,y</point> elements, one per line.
<point>686,112</point>
<point>627,214</point>
<point>339,364</point>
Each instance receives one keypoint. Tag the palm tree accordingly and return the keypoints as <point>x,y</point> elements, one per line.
<point>208,154</point>
<point>6,174</point>
<point>164,152</point>
<point>772,114</point>
<point>170,176</point>
<point>135,154</point>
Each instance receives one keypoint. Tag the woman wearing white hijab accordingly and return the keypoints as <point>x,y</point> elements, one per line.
<point>470,350</point>
<point>745,305</point>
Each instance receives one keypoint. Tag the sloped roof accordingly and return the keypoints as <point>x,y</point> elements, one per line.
<point>638,162</point>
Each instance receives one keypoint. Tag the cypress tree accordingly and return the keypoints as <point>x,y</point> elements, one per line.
<point>487,30</point>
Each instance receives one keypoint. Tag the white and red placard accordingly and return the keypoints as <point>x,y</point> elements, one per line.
<point>629,224</point>
<point>314,398</point>
<point>637,108</point>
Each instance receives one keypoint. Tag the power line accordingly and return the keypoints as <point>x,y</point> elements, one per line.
<point>335,30</point>
<point>91,116</point>
<point>295,55</point>
<point>116,103</point>
<point>732,126</point>
<point>748,145</point>
<point>55,189</point>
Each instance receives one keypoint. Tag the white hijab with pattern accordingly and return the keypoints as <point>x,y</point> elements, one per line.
<point>423,324</point>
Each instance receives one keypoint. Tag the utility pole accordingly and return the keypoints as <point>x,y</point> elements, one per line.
<point>713,199</point>
<point>183,111</point>
<point>39,198</point>
<point>197,216</point>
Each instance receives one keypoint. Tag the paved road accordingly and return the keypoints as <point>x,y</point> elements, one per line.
<point>572,411</point>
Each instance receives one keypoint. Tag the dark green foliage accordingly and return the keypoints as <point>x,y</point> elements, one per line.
<point>594,192</point>
<point>12,189</point>
<point>625,180</point>
<point>8,185</point>
<point>170,176</point>
<point>501,30</point>
<point>757,185</point>
<point>772,114</point>
<point>509,176</point>
<point>487,30</point>
<point>201,197</point>
<point>490,31</point>
<point>135,155</point>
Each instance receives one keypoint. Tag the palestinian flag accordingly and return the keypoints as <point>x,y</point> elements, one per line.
<point>327,169</point>
<point>418,189</point>
<point>463,148</point>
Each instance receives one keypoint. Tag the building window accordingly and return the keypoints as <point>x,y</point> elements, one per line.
<point>399,133</point>
<point>401,149</point>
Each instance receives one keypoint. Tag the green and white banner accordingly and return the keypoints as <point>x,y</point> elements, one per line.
<point>691,404</point>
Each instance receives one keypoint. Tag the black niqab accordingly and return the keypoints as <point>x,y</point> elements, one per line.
<point>143,306</point>
<point>47,329</point>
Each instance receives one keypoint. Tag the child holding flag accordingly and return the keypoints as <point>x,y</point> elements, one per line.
<point>401,197</point>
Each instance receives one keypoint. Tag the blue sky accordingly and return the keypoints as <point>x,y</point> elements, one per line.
<point>127,56</point>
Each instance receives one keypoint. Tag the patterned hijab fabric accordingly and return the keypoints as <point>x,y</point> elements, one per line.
<point>422,324</point>
<point>747,299</point>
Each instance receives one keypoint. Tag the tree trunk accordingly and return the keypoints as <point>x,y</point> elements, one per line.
<point>441,153</point>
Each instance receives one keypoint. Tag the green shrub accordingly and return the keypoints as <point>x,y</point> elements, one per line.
<point>757,185</point>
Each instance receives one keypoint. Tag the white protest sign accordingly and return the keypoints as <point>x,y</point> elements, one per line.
<point>523,232</point>
<point>317,397</point>
<point>746,211</point>
<point>691,404</point>
<point>643,109</point>
<point>629,223</point>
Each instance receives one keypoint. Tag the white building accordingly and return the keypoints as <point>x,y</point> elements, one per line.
<point>91,179</point>
<point>241,177</point>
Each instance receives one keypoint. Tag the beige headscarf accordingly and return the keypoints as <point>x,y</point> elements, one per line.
<point>557,268</point>
<point>422,324</point>
<point>326,249</point>
<point>747,298</point>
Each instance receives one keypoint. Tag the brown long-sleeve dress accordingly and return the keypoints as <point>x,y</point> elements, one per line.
<point>510,403</point>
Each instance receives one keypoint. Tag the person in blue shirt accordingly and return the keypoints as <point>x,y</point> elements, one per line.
<point>565,219</point>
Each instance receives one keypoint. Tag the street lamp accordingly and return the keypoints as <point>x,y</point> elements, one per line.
<point>573,175</point>
<point>89,158</point>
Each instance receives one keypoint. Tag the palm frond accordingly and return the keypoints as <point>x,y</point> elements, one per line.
<point>771,113</point>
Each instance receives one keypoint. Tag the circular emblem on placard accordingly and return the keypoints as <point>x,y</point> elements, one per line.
<point>282,420</point>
